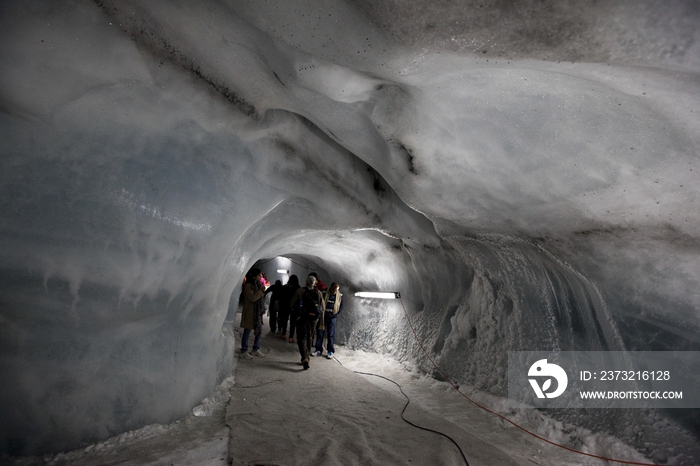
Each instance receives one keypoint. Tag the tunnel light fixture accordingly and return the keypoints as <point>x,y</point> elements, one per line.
<point>282,271</point>
<point>378,295</point>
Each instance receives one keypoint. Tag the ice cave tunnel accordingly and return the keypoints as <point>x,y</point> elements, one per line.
<point>524,173</point>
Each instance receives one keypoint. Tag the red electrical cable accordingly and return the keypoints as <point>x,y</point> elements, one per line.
<point>501,416</point>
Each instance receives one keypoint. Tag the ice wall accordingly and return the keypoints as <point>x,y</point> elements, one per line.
<point>536,193</point>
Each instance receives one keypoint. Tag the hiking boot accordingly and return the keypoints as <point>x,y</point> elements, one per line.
<point>306,365</point>
<point>330,355</point>
<point>246,355</point>
<point>258,353</point>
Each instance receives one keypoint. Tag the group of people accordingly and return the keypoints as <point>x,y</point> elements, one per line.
<point>311,312</point>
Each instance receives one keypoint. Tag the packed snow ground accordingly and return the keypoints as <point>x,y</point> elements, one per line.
<point>204,439</point>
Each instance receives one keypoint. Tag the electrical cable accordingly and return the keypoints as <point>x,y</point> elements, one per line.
<point>453,385</point>
<point>449,380</point>
<point>408,400</point>
<point>265,261</point>
<point>300,265</point>
<point>261,262</point>
<point>257,386</point>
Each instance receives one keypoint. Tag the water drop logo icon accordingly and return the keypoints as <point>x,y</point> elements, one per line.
<point>543,370</point>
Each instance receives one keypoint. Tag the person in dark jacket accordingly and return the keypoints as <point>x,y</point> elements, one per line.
<point>277,291</point>
<point>252,314</point>
<point>306,323</point>
<point>285,312</point>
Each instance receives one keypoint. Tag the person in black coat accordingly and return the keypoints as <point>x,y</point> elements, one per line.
<point>285,312</point>
<point>277,291</point>
<point>309,302</point>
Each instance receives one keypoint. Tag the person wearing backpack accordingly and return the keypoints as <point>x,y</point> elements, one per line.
<point>309,302</point>
<point>326,324</point>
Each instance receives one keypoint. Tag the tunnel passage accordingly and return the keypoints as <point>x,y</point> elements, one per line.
<point>535,193</point>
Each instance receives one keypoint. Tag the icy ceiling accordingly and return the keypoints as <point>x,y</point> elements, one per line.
<point>525,173</point>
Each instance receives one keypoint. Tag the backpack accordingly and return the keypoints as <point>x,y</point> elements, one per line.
<point>310,308</point>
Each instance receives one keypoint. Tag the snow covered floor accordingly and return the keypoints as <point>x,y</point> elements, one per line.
<point>440,399</point>
<point>280,414</point>
<point>189,441</point>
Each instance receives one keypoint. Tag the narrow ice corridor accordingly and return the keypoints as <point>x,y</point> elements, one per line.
<point>525,174</point>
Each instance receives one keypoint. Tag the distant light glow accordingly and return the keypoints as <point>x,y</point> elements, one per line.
<point>377,294</point>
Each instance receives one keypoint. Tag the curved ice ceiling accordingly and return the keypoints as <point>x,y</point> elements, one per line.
<point>525,176</point>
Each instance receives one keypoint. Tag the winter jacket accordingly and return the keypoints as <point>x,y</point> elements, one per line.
<point>288,292</point>
<point>249,298</point>
<point>336,307</point>
<point>277,295</point>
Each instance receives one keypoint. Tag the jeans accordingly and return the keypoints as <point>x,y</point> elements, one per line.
<point>329,322</point>
<point>273,310</point>
<point>244,341</point>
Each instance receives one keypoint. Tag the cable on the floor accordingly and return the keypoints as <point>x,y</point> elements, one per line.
<point>408,400</point>
<point>257,386</point>
<point>449,380</point>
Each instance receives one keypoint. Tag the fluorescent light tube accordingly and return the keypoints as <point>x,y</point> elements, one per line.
<point>377,294</point>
